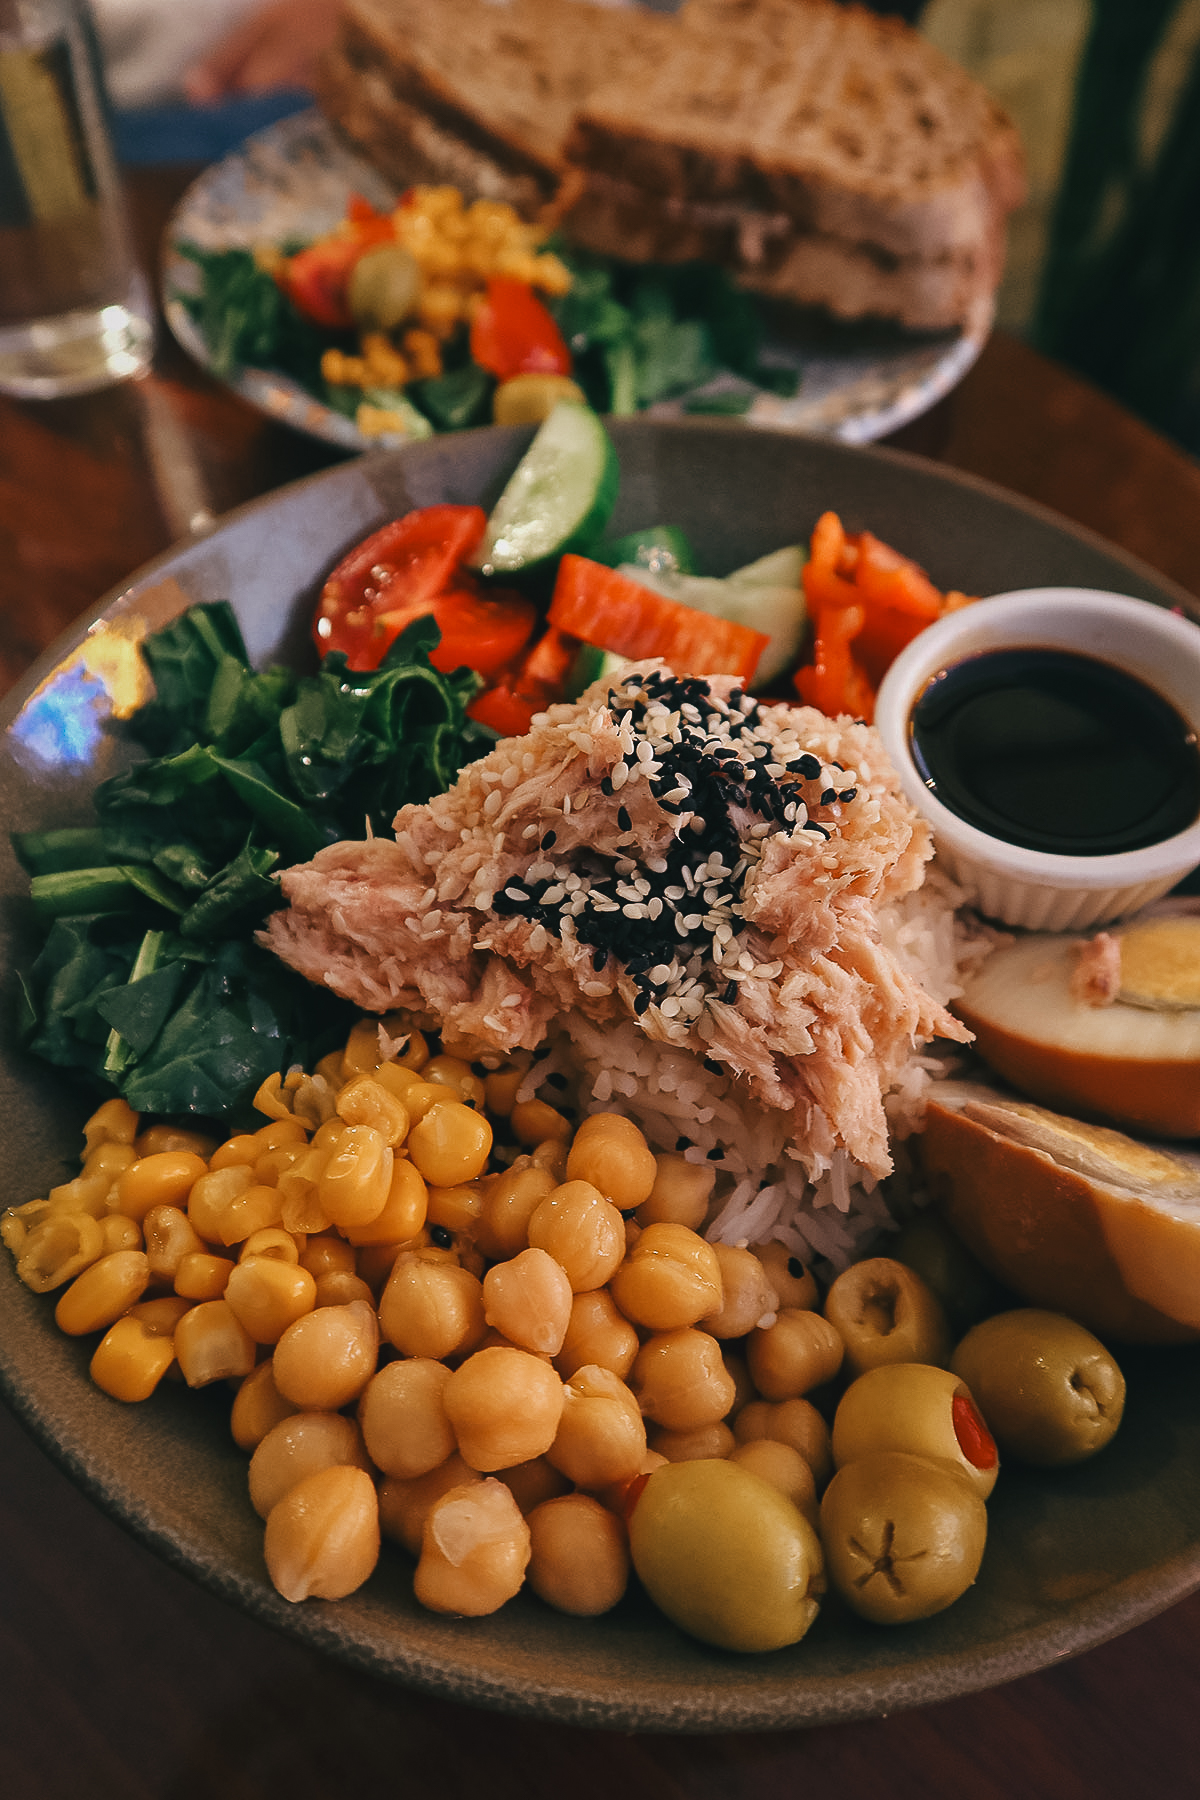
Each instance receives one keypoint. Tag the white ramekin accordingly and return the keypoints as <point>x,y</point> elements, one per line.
<point>1035,888</point>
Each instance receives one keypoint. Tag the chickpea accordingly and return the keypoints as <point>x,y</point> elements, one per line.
<point>404,1504</point>
<point>529,1300</point>
<point>680,1380</point>
<point>324,1360</point>
<point>295,1447</point>
<point>474,1551</point>
<point>885,1313</point>
<point>322,1538</point>
<point>601,1437</point>
<point>339,1287</point>
<point>578,1555</point>
<point>534,1481</point>
<point>403,1213</point>
<point>534,1122</point>
<point>505,1406</point>
<point>257,1406</point>
<point>670,1277</point>
<point>785,1469</point>
<point>403,1417</point>
<point>501,1086</point>
<point>749,1298</point>
<point>597,1333</point>
<point>794,1284</point>
<point>452,1072</point>
<point>431,1308</point>
<point>800,1351</point>
<point>512,1200</point>
<point>681,1193</point>
<point>795,1422</point>
<point>690,1446</point>
<point>612,1154</point>
<point>582,1231</point>
<point>451,1144</point>
<point>456,1209</point>
<point>326,1252</point>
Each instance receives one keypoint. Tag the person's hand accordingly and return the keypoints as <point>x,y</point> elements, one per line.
<point>276,46</point>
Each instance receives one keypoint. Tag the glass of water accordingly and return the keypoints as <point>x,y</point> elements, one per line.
<point>75,310</point>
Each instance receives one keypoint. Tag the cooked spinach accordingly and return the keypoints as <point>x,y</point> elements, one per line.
<point>148,979</point>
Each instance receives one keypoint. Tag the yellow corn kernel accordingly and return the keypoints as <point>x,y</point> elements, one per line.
<point>385,365</point>
<point>272,1098</point>
<point>440,308</point>
<point>57,1249</point>
<point>212,1344</point>
<point>366,1101</point>
<point>280,1132</point>
<point>131,1359</point>
<point>85,1193</point>
<point>299,1197</point>
<point>395,1078</point>
<point>244,1148</point>
<point>161,1314</point>
<point>362,1054</point>
<point>272,1163</point>
<point>202,1275</point>
<point>423,352</point>
<point>330,1069</point>
<point>212,1195</point>
<point>258,1208</point>
<point>114,1122</point>
<point>106,1289</point>
<point>342,370</point>
<point>354,1184</point>
<point>165,1179</point>
<point>110,1158</point>
<point>266,1296</point>
<point>170,1236</point>
<point>403,1212</point>
<point>174,1137</point>
<point>327,1251</point>
<point>120,1233</point>
<point>271,1241</point>
<point>16,1223</point>
<point>410,1049</point>
<point>551,275</point>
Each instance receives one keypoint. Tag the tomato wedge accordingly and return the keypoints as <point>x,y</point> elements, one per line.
<point>316,279</point>
<point>509,706</point>
<point>513,333</point>
<point>394,576</point>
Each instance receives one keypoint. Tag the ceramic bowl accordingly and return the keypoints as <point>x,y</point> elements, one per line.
<point>1040,889</point>
<point>1072,1557</point>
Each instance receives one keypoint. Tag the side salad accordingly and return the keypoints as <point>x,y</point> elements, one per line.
<point>440,632</point>
<point>441,314</point>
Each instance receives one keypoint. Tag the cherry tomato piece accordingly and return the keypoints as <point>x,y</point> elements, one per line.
<point>514,333</point>
<point>398,571</point>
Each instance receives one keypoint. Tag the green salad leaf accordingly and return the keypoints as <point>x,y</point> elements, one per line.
<point>148,979</point>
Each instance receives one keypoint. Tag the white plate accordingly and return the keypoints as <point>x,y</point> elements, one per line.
<point>292,181</point>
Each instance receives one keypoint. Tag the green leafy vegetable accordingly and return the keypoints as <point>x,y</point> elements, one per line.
<point>148,979</point>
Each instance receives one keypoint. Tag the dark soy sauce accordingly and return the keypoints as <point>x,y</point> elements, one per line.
<point>1054,751</point>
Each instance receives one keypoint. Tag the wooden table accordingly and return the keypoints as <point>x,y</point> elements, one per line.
<point>119,1679</point>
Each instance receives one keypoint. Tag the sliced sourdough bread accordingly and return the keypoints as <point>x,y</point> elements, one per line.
<point>478,92</point>
<point>823,154</point>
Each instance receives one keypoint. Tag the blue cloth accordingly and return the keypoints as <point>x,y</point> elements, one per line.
<point>186,134</point>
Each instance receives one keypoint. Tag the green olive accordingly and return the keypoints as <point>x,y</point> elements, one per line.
<point>885,1313</point>
<point>383,287</point>
<point>903,1535</point>
<point>726,1555</point>
<point>1049,1390</point>
<point>920,1409</point>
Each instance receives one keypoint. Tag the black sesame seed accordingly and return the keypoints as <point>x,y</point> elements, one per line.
<point>551,837</point>
<point>729,997</point>
<point>716,1153</point>
<point>623,818</point>
<point>606,787</point>
<point>682,1144</point>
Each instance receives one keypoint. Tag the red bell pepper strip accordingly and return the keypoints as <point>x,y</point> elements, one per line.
<point>833,682</point>
<point>600,606</point>
<point>514,333</point>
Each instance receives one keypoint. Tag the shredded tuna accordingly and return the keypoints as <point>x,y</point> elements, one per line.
<point>666,851</point>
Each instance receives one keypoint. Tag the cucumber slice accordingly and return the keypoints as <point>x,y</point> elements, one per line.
<point>657,547</point>
<point>778,568</point>
<point>559,497</point>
